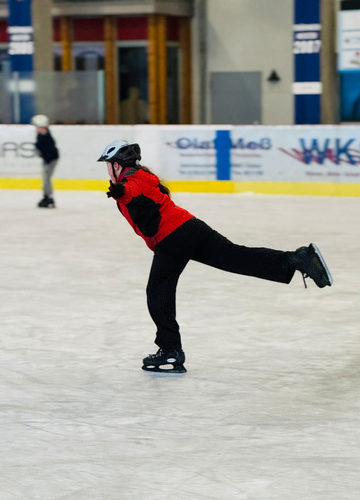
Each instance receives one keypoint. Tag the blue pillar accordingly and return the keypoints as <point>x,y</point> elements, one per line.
<point>21,49</point>
<point>223,151</point>
<point>307,50</point>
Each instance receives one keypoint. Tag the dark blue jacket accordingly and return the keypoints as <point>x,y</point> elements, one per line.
<point>47,148</point>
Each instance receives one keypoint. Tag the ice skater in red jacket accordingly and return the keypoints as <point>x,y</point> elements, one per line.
<point>176,236</point>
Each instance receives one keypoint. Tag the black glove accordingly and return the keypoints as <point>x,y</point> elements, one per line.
<point>116,191</point>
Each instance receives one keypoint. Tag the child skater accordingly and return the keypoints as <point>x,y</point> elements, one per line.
<point>48,151</point>
<point>176,236</point>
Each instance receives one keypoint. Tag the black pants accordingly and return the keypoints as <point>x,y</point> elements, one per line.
<point>195,240</point>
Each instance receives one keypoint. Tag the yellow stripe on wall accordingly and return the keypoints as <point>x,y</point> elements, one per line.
<point>292,188</point>
<point>67,184</point>
<point>201,186</point>
<point>20,183</point>
<point>81,184</point>
<point>289,188</point>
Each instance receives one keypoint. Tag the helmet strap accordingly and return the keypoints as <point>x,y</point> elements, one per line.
<point>117,176</point>
<point>114,173</point>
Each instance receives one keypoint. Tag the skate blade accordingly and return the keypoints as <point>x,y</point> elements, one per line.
<point>323,263</point>
<point>158,369</point>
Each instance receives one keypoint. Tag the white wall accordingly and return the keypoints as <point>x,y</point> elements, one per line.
<point>254,35</point>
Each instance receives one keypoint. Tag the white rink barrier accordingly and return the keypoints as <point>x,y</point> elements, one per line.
<point>214,158</point>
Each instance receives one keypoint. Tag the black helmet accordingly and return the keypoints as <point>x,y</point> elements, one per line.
<point>122,152</point>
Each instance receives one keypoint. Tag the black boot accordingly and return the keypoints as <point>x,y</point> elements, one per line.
<point>43,202</point>
<point>46,202</point>
<point>176,358</point>
<point>310,262</point>
<point>50,202</point>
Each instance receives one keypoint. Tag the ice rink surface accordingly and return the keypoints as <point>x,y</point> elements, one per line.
<point>270,406</point>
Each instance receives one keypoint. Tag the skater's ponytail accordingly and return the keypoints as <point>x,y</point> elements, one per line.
<point>162,187</point>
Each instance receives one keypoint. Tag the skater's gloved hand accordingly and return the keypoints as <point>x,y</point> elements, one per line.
<point>116,191</point>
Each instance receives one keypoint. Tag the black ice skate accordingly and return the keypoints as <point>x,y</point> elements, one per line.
<point>176,358</point>
<point>310,262</point>
<point>46,202</point>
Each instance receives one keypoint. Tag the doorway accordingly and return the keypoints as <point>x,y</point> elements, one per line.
<point>133,85</point>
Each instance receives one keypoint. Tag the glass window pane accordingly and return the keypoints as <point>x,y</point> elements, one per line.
<point>88,57</point>
<point>133,85</point>
<point>6,96</point>
<point>350,97</point>
<point>57,57</point>
<point>4,59</point>
<point>70,97</point>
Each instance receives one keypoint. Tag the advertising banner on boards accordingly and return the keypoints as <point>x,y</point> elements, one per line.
<point>302,154</point>
<point>238,153</point>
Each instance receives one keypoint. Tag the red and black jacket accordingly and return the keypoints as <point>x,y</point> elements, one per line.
<point>151,213</point>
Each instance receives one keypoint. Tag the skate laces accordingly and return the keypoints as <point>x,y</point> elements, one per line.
<point>158,354</point>
<point>167,354</point>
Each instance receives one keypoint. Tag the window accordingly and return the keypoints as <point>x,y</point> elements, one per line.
<point>350,97</point>
<point>133,84</point>
<point>4,58</point>
<point>88,57</point>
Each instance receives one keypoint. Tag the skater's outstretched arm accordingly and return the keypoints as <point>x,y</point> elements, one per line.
<point>126,189</point>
